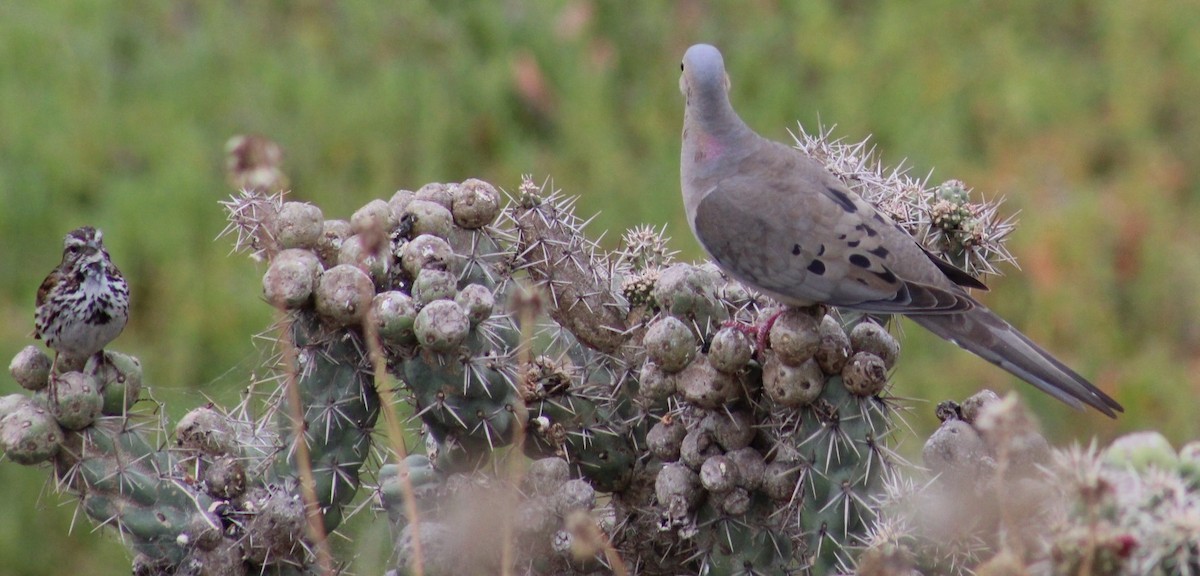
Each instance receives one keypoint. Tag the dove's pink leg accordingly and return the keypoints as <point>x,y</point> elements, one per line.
<point>760,332</point>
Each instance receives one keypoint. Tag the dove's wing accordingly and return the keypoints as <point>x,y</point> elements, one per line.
<point>784,224</point>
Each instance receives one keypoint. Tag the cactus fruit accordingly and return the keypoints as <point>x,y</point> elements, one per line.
<point>344,294</point>
<point>30,368</point>
<point>79,400</point>
<point>298,225</point>
<point>29,434</point>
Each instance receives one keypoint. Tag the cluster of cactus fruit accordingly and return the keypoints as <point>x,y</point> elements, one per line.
<point>218,498</point>
<point>580,411</point>
<point>623,374</point>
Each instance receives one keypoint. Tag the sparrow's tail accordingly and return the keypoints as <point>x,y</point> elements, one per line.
<point>988,336</point>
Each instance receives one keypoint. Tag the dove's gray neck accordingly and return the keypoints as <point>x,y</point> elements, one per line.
<point>714,137</point>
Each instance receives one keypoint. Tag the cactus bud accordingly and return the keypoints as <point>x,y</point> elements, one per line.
<point>373,218</point>
<point>792,385</point>
<point>29,434</point>
<point>433,285</point>
<point>478,301</point>
<point>653,384</point>
<point>30,368</point>
<point>394,315</point>
<point>120,379</point>
<point>718,474</point>
<point>865,374</point>
<point>425,251</point>
<point>871,337</point>
<point>369,252</point>
<point>438,193</point>
<point>795,337</point>
<point>442,326</point>
<point>730,350</point>
<point>834,349</point>
<point>1142,451</point>
<point>475,204</point>
<point>665,439</point>
<point>670,344</point>
<point>329,245</point>
<point>733,429</point>
<point>750,465</point>
<point>429,218</point>
<point>298,225</point>
<point>676,482</point>
<point>291,278</point>
<point>344,295</point>
<point>704,386</point>
<point>79,401</point>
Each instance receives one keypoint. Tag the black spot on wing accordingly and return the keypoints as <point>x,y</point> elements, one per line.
<point>886,276</point>
<point>854,243</point>
<point>816,267</point>
<point>864,228</point>
<point>842,198</point>
<point>860,261</point>
<point>795,249</point>
<point>821,250</point>
<point>880,252</point>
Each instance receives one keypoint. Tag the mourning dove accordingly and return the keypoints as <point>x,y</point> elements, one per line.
<point>778,221</point>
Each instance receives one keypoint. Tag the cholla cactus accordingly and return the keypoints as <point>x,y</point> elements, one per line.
<point>1001,501</point>
<point>1135,508</point>
<point>220,498</point>
<point>580,410</point>
<point>986,493</point>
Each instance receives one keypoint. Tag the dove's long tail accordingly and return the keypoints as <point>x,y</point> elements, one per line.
<point>988,336</point>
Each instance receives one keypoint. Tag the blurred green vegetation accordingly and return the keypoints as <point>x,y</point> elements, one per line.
<point>1082,113</point>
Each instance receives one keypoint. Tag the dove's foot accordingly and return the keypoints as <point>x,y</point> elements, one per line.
<point>760,332</point>
<point>52,383</point>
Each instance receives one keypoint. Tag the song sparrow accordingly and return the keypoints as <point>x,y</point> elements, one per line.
<point>84,303</point>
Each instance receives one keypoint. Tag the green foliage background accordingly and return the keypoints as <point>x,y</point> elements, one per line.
<point>1082,113</point>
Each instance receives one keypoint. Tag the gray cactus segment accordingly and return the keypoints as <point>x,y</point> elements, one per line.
<point>556,255</point>
<point>340,406</point>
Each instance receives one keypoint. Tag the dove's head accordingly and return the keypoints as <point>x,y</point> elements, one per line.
<point>703,73</point>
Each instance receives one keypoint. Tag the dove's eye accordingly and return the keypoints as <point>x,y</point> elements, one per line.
<point>681,66</point>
